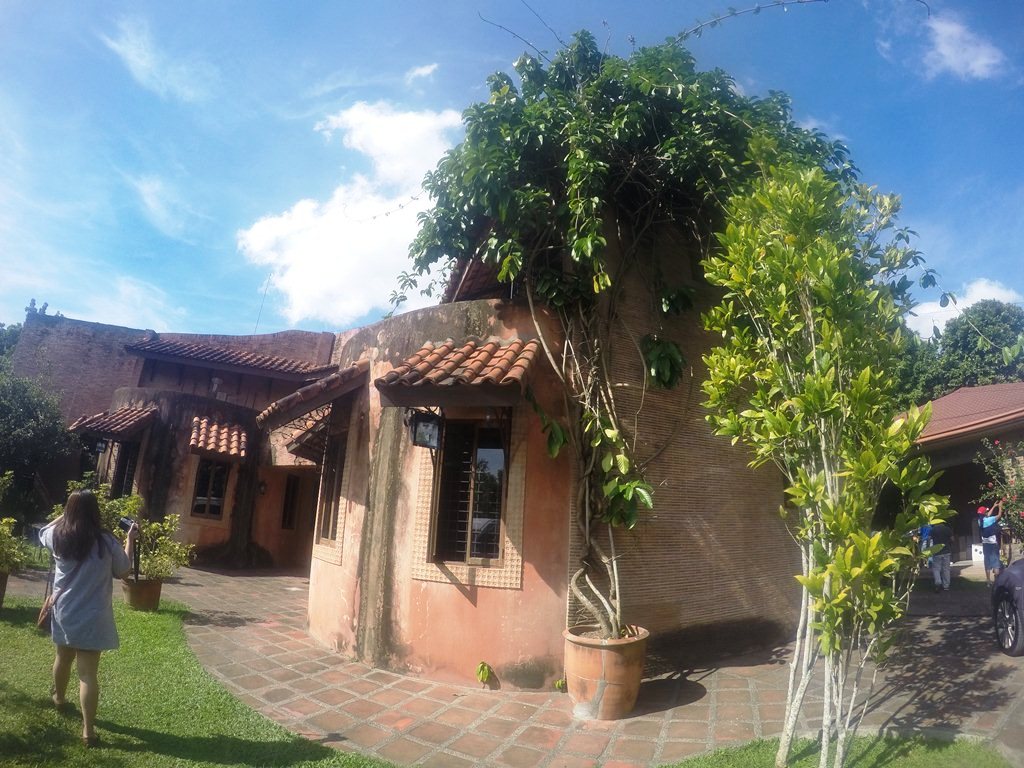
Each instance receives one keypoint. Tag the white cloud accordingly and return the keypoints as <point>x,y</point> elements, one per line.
<point>828,127</point>
<point>419,72</point>
<point>130,302</point>
<point>957,50</point>
<point>188,81</point>
<point>162,206</point>
<point>931,313</point>
<point>403,146</point>
<point>338,260</point>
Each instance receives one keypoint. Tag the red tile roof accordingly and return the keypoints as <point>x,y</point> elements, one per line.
<point>221,356</point>
<point>224,440</point>
<point>488,372</point>
<point>124,422</point>
<point>312,396</point>
<point>975,411</point>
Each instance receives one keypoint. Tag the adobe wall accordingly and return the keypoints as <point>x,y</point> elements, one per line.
<point>83,362</point>
<point>374,601</point>
<point>245,390</point>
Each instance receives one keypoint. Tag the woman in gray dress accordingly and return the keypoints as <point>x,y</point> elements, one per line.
<point>86,558</point>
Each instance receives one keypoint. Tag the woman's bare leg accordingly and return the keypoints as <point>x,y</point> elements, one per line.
<point>88,689</point>
<point>62,673</point>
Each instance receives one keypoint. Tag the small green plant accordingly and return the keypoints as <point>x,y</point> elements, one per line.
<point>12,548</point>
<point>484,672</point>
<point>560,685</point>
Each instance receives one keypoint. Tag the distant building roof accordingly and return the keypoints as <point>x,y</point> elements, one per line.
<point>225,441</point>
<point>115,425</point>
<point>221,357</point>
<point>971,412</point>
<point>473,372</point>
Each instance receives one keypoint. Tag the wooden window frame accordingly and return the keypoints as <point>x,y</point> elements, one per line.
<point>329,505</point>
<point>195,490</point>
<point>503,427</point>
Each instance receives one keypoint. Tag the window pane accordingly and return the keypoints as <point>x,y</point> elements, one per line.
<point>454,492</point>
<point>211,484</point>
<point>487,493</point>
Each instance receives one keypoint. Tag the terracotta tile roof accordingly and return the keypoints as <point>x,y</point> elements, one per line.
<point>975,411</point>
<point>124,422</point>
<point>225,440</point>
<point>309,444</point>
<point>312,396</point>
<point>222,356</point>
<point>488,372</point>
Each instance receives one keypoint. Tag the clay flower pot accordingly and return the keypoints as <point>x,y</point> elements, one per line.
<point>142,595</point>
<point>603,677</point>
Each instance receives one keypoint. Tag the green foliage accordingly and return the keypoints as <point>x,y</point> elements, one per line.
<point>664,360</point>
<point>9,335</point>
<point>972,347</point>
<point>32,435</point>
<point>811,327</point>
<point>1003,464</point>
<point>12,548</point>
<point>484,672</point>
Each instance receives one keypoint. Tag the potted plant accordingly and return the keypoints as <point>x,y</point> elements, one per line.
<point>159,553</point>
<point>159,556</point>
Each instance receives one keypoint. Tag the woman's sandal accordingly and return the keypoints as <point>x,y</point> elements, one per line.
<point>91,741</point>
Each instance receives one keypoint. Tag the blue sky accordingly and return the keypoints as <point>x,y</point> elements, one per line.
<point>169,165</point>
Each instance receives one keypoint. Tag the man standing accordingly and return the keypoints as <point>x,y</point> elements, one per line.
<point>988,526</point>
<point>942,535</point>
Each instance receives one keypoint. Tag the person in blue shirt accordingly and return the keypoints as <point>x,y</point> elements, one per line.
<point>988,525</point>
<point>87,558</point>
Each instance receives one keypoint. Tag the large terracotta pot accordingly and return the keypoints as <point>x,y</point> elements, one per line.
<point>3,587</point>
<point>603,676</point>
<point>142,595</point>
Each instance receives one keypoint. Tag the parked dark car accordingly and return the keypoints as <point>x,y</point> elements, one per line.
<point>1008,609</point>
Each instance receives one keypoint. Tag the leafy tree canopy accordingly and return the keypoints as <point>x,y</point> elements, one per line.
<point>587,138</point>
<point>9,335</point>
<point>32,434</point>
<point>970,353</point>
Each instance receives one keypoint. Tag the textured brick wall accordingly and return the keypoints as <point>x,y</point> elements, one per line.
<point>713,558</point>
<point>83,362</point>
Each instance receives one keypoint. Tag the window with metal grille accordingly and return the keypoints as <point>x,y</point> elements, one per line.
<point>470,493</point>
<point>333,470</point>
<point>124,470</point>
<point>211,486</point>
<point>289,511</point>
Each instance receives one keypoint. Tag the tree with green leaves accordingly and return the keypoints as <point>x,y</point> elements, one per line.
<point>9,335</point>
<point>979,346</point>
<point>972,346</point>
<point>815,286</point>
<point>566,179</point>
<point>32,434</point>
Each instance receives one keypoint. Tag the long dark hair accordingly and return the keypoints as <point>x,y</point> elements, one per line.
<point>79,528</point>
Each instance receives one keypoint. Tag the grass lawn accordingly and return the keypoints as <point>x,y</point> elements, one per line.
<point>158,707</point>
<point>866,753</point>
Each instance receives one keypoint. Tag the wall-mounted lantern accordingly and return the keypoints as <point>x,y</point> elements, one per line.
<point>101,446</point>
<point>425,429</point>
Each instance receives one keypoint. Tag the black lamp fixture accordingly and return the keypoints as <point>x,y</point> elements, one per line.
<point>425,429</point>
<point>101,446</point>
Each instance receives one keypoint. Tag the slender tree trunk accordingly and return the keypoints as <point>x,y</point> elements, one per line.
<point>800,667</point>
<point>826,711</point>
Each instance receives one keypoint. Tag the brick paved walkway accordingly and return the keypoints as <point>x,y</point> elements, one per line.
<point>946,680</point>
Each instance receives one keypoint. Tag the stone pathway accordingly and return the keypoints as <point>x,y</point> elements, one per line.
<point>946,680</point>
